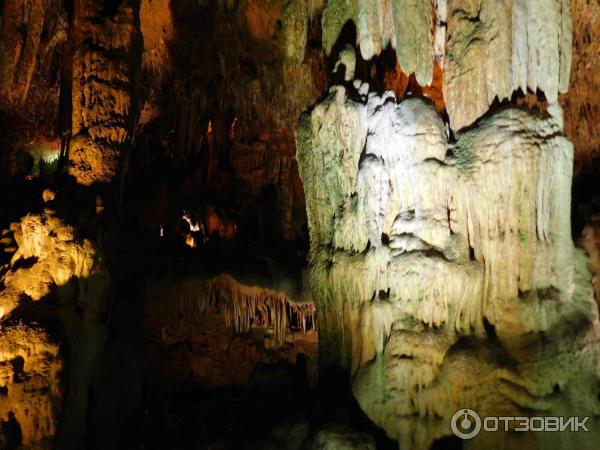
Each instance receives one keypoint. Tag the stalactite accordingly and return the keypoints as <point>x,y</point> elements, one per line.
<point>496,48</point>
<point>185,306</point>
<point>245,306</point>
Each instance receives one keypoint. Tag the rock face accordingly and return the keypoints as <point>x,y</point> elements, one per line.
<point>444,273</point>
<point>488,49</point>
<point>591,244</point>
<point>232,322</point>
<point>31,30</point>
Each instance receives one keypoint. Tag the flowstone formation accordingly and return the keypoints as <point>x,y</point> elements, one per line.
<point>442,263</point>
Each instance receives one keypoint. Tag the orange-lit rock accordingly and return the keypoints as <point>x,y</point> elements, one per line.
<point>263,18</point>
<point>32,39</point>
<point>582,103</point>
<point>22,45</point>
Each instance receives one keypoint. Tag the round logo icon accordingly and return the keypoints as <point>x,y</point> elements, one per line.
<point>465,423</point>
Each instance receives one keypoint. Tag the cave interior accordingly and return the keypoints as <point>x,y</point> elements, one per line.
<point>297,224</point>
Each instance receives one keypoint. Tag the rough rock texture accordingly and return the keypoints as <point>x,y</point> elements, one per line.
<point>244,301</point>
<point>487,49</point>
<point>582,103</point>
<point>31,386</point>
<point>222,115</point>
<point>157,28</point>
<point>495,48</point>
<point>445,275</point>
<point>106,41</point>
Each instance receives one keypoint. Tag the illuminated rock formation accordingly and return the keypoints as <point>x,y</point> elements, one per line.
<point>495,48</point>
<point>244,301</point>
<point>105,46</point>
<point>31,386</point>
<point>230,324</point>
<point>492,48</point>
<point>58,258</point>
<point>442,262</point>
<point>250,305</point>
<point>444,273</point>
<point>31,30</point>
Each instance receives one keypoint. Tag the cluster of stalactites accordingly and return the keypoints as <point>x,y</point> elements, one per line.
<point>248,306</point>
<point>406,25</point>
<point>488,49</point>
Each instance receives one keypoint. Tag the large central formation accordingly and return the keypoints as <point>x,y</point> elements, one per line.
<point>442,262</point>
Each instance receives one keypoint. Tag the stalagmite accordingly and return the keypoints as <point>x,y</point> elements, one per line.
<point>444,273</point>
